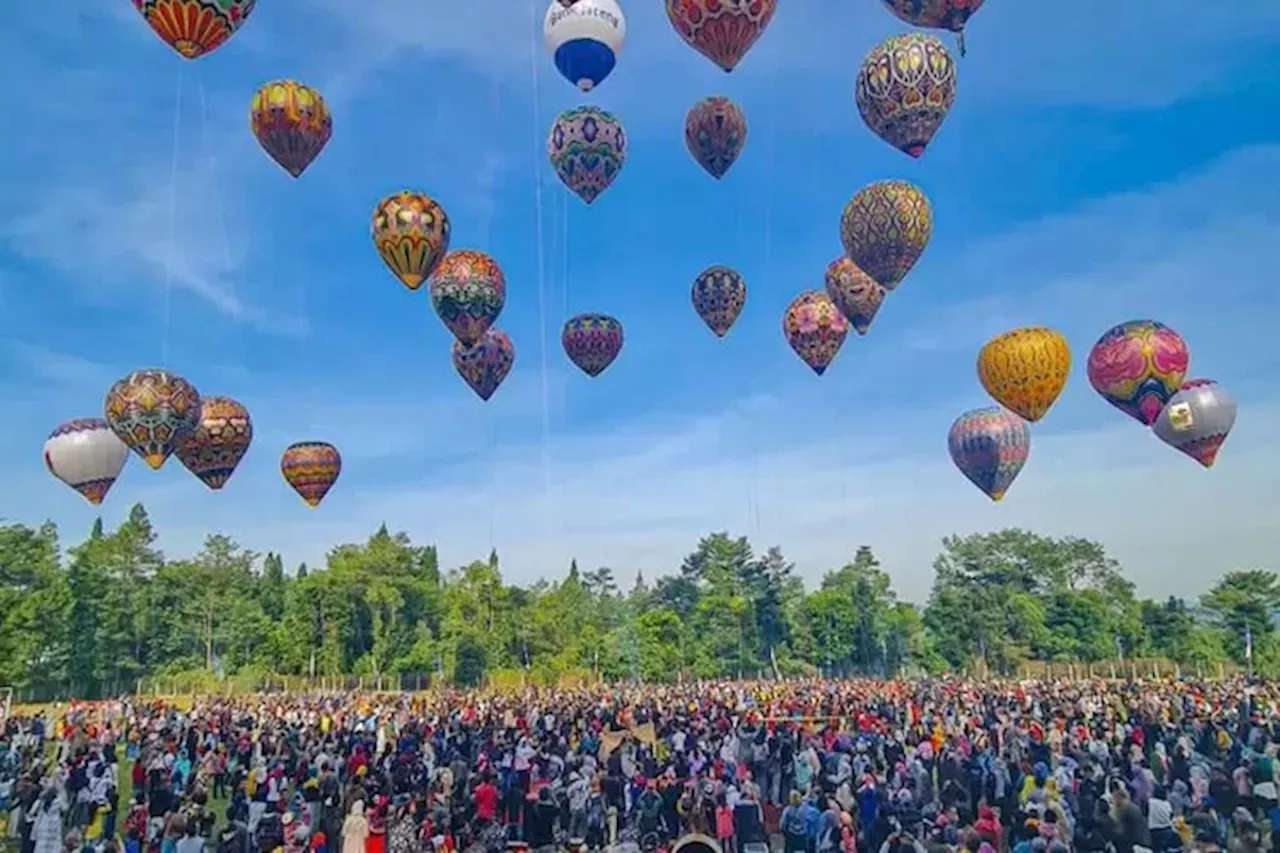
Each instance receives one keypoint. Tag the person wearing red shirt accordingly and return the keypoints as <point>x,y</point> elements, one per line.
<point>485,798</point>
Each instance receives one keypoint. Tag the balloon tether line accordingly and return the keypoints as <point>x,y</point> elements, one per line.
<point>541,261</point>
<point>170,258</point>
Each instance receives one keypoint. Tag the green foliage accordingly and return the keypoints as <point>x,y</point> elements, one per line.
<point>114,611</point>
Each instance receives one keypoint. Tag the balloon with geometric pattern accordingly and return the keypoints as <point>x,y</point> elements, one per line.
<point>411,233</point>
<point>905,88</point>
<point>1197,420</point>
<point>219,442</point>
<point>291,122</point>
<point>588,148</point>
<point>86,455</point>
<point>1025,369</point>
<point>990,446</point>
<point>715,129</point>
<point>151,411</point>
<point>718,296</point>
<point>721,30</point>
<point>885,228</point>
<point>815,329</point>
<point>485,364</point>
<point>592,341</point>
<point>856,294</point>
<point>311,468</point>
<point>195,27</point>
<point>1137,366</point>
<point>585,38</point>
<point>936,14</point>
<point>468,292</point>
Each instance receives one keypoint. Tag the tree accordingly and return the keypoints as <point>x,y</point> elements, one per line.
<point>1242,603</point>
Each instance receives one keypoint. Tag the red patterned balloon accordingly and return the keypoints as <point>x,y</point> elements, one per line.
<point>856,294</point>
<point>815,328</point>
<point>219,442</point>
<point>936,14</point>
<point>715,130</point>
<point>195,27</point>
<point>721,30</point>
<point>1137,366</point>
<point>592,341</point>
<point>151,411</point>
<point>311,468</point>
<point>468,291</point>
<point>484,365</point>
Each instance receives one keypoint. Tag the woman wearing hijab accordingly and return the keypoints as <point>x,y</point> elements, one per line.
<point>355,829</point>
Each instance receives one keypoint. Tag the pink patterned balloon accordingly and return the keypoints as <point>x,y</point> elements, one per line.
<point>1137,366</point>
<point>592,341</point>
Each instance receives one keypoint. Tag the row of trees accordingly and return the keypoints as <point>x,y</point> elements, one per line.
<point>112,611</point>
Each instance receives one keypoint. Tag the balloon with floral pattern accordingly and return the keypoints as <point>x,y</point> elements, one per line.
<point>815,329</point>
<point>592,341</point>
<point>486,363</point>
<point>588,148</point>
<point>936,14</point>
<point>151,411</point>
<point>721,30</point>
<point>291,122</point>
<point>220,440</point>
<point>856,294</point>
<point>195,27</point>
<point>905,88</point>
<point>1137,366</point>
<point>468,291</point>
<point>86,455</point>
<point>1197,420</point>
<point>715,129</point>
<point>311,468</point>
<point>411,233</point>
<point>719,293</point>
<point>990,446</point>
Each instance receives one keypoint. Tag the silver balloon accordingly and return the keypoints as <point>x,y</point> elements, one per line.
<point>1197,419</point>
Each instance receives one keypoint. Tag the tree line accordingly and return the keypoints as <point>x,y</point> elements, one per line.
<point>112,610</point>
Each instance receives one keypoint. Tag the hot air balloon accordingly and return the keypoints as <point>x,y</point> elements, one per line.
<point>592,341</point>
<point>815,328</point>
<point>587,148</point>
<point>1137,366</point>
<point>936,14</point>
<point>715,129</point>
<point>86,455</point>
<point>485,364</point>
<point>411,232</point>
<point>885,228</point>
<point>219,442</point>
<point>585,37</point>
<point>468,291</point>
<point>1025,370</point>
<point>151,411</point>
<point>311,468</point>
<point>718,296</point>
<point>905,87</point>
<point>990,446</point>
<point>195,27</point>
<point>855,294</point>
<point>721,30</point>
<point>1197,419</point>
<point>291,123</point>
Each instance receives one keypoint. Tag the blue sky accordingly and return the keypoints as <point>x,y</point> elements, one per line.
<point>1100,165</point>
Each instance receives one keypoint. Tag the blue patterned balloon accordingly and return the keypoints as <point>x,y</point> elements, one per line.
<point>990,446</point>
<point>718,296</point>
<point>587,148</point>
<point>485,364</point>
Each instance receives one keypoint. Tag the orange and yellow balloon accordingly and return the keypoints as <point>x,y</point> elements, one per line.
<point>411,233</point>
<point>291,122</point>
<point>1025,369</point>
<point>311,468</point>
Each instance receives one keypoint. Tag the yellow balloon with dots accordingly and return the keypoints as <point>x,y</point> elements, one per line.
<point>1025,369</point>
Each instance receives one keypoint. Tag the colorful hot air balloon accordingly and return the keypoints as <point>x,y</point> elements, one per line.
<point>815,328</point>
<point>411,232</point>
<point>1197,419</point>
<point>587,148</point>
<point>936,14</point>
<point>1025,370</point>
<point>990,446</point>
<point>718,296</point>
<point>1137,366</point>
<point>721,30</point>
<point>855,294</point>
<point>484,365</point>
<point>195,27</point>
<point>291,123</point>
<point>219,442</point>
<point>905,87</point>
<point>885,228</point>
<point>715,129</point>
<point>151,411</point>
<point>311,468</point>
<point>585,37</point>
<point>86,455</point>
<point>468,291</point>
<point>592,341</point>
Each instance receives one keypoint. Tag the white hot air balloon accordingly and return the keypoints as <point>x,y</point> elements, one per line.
<point>86,455</point>
<point>585,37</point>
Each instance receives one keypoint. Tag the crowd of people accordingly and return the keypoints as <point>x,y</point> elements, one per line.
<point>921,766</point>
